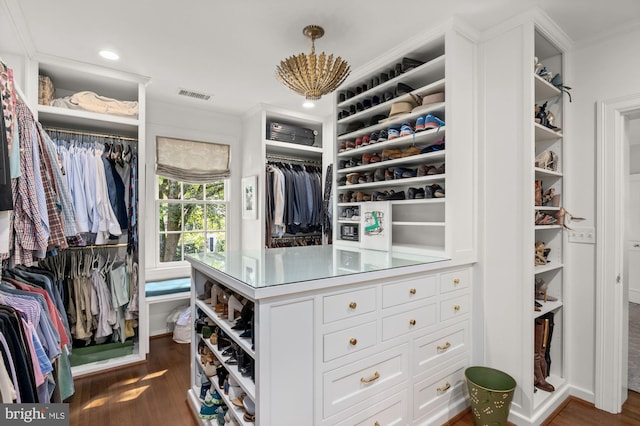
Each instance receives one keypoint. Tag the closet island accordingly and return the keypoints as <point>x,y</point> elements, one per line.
<point>328,335</point>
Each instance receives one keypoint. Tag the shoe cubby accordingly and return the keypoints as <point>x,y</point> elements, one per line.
<point>531,175</point>
<point>224,328</point>
<point>386,153</point>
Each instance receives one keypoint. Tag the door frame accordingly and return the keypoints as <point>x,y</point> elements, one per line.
<point>611,289</point>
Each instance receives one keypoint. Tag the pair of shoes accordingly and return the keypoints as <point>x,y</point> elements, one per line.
<point>393,133</point>
<point>427,122</point>
<point>544,219</point>
<point>541,254</point>
<point>541,291</point>
<point>370,158</point>
<point>378,175</point>
<point>415,193</point>
<point>547,160</point>
<point>405,129</point>
<point>433,191</point>
<point>563,216</point>
<point>391,154</point>
<point>402,173</point>
<point>438,146</point>
<point>388,195</point>
<point>382,136</point>
<point>361,196</point>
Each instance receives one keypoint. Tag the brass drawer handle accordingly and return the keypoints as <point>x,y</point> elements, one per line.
<point>456,281</point>
<point>456,308</point>
<point>445,347</point>
<point>353,305</point>
<point>445,388</point>
<point>373,378</point>
<point>412,291</point>
<point>412,322</point>
<point>353,341</point>
<point>376,424</point>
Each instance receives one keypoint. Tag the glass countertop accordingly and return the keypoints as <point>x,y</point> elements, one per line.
<point>278,266</point>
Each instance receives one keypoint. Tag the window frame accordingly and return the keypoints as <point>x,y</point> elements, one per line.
<point>159,264</point>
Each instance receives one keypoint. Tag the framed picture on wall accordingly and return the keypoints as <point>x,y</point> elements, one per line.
<point>376,226</point>
<point>249,197</point>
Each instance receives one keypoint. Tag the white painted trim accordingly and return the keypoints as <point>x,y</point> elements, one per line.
<point>610,389</point>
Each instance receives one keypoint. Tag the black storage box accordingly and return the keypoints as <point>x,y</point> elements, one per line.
<point>282,132</point>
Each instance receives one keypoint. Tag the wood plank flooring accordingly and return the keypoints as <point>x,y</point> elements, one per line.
<point>154,394</point>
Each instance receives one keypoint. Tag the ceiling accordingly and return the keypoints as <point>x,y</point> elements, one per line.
<point>230,49</point>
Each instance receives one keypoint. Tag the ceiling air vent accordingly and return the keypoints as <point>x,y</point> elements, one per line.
<point>192,94</point>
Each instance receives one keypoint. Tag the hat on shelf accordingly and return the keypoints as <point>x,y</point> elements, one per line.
<point>428,101</point>
<point>399,109</point>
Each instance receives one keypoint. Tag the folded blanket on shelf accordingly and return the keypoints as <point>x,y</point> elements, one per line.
<point>91,101</point>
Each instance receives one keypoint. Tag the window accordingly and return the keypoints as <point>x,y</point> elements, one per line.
<point>192,218</point>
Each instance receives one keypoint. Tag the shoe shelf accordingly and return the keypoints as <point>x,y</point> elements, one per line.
<point>540,172</point>
<point>397,202</point>
<point>244,382</point>
<point>405,223</point>
<point>431,70</point>
<point>436,109</point>
<point>544,89</point>
<point>543,133</point>
<point>547,307</point>
<point>540,227</point>
<point>417,248</point>
<point>425,137</point>
<point>541,396</point>
<point>548,267</point>
<point>395,182</point>
<point>546,208</point>
<point>236,412</point>
<point>411,160</point>
<point>384,107</point>
<point>226,325</point>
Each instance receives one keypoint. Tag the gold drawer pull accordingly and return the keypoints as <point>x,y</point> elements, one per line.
<point>373,378</point>
<point>456,308</point>
<point>412,322</point>
<point>353,305</point>
<point>456,281</point>
<point>412,291</point>
<point>376,424</point>
<point>445,347</point>
<point>445,388</point>
<point>353,341</point>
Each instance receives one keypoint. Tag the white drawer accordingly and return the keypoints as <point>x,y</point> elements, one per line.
<point>435,348</point>
<point>436,391</point>
<point>358,381</point>
<point>408,321</point>
<point>348,341</point>
<point>399,292</point>
<point>454,307</point>
<point>392,411</point>
<point>454,280</point>
<point>348,305</point>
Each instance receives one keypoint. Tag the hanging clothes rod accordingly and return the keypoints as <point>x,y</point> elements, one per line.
<point>274,157</point>
<point>97,247</point>
<point>97,135</point>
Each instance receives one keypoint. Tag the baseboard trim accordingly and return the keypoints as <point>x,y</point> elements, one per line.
<point>453,420</point>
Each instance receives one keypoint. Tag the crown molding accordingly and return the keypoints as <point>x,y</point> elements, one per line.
<point>20,27</point>
<point>602,37</point>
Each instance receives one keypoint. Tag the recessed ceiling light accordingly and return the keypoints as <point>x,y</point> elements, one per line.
<point>109,54</point>
<point>308,104</point>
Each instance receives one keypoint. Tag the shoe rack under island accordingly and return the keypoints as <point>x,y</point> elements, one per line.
<point>340,336</point>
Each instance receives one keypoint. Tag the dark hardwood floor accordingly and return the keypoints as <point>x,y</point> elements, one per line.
<point>154,394</point>
<point>576,412</point>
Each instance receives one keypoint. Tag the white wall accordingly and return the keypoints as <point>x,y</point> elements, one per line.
<point>601,70</point>
<point>165,119</point>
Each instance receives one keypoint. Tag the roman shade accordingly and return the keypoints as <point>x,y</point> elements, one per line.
<point>191,161</point>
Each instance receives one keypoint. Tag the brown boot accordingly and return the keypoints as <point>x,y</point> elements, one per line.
<point>539,363</point>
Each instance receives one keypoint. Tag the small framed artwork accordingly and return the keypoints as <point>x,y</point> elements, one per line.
<point>249,199</point>
<point>376,226</point>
